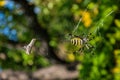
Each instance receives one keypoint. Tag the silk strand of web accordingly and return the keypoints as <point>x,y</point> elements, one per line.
<point>101,22</point>
<point>79,21</point>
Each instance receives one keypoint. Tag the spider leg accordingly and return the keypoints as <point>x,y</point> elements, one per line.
<point>80,50</point>
<point>92,49</point>
<point>87,46</point>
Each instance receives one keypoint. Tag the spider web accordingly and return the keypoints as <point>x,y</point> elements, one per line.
<point>79,21</point>
<point>101,23</point>
<point>96,31</point>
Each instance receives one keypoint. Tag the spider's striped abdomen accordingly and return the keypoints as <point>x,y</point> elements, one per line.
<point>77,41</point>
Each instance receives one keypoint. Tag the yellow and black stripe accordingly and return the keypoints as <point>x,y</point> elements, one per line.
<point>77,41</point>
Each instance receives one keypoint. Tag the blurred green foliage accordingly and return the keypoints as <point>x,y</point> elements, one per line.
<point>59,18</point>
